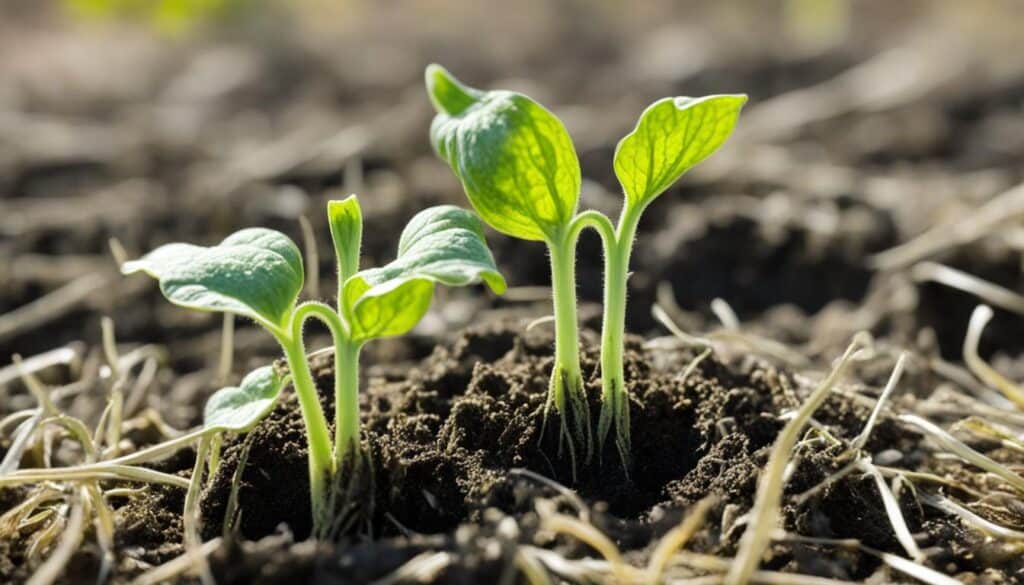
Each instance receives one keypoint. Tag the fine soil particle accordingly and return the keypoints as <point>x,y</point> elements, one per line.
<point>149,528</point>
<point>274,486</point>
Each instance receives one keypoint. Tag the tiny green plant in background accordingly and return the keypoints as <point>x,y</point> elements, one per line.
<point>258,273</point>
<point>172,16</point>
<point>520,171</point>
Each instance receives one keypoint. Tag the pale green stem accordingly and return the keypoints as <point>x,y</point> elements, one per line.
<point>566,388</point>
<point>321,460</point>
<point>618,245</point>
<point>346,393</point>
<point>615,403</point>
<point>346,400</point>
<point>321,464</point>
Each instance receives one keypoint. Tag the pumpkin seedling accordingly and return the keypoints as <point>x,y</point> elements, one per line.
<point>520,171</point>
<point>257,273</point>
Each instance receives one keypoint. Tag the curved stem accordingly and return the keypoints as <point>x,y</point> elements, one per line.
<point>592,219</point>
<point>346,380</point>
<point>617,244</point>
<point>321,462</point>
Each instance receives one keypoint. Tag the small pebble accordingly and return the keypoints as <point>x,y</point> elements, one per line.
<point>888,457</point>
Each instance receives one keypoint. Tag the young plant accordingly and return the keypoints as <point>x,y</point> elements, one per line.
<point>672,136</point>
<point>519,169</point>
<point>258,273</point>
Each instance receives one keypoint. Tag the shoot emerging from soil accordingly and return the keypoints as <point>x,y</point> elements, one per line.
<point>258,273</point>
<point>520,170</point>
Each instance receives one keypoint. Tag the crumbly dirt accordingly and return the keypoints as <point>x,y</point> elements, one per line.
<point>445,439</point>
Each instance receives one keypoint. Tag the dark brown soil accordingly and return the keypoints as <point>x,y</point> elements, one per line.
<point>445,438</point>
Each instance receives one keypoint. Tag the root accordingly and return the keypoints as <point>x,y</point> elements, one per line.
<point>747,341</point>
<point>894,378</point>
<point>191,516</point>
<point>892,510</point>
<point>232,515</point>
<point>567,399</point>
<point>69,542</point>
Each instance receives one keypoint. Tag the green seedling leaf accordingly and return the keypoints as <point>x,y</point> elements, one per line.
<point>393,309</point>
<point>672,136</point>
<point>443,244</point>
<point>256,273</point>
<point>346,220</point>
<point>238,409</point>
<point>514,158</point>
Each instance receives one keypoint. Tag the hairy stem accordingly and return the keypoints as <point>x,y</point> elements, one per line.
<point>321,464</point>
<point>618,245</point>
<point>321,459</point>
<point>566,388</point>
<point>346,380</point>
<point>346,400</point>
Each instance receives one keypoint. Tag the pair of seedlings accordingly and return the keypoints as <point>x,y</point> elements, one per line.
<point>521,173</point>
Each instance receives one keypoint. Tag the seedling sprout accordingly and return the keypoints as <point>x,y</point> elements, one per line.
<point>258,273</point>
<point>519,169</point>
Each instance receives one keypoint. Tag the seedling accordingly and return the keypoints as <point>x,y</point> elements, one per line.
<point>257,273</point>
<point>520,171</point>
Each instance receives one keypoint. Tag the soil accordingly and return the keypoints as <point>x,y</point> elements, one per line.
<point>444,441</point>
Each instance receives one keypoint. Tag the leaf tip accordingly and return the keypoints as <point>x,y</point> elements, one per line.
<point>496,282</point>
<point>129,267</point>
<point>735,100</point>
<point>339,207</point>
<point>447,93</point>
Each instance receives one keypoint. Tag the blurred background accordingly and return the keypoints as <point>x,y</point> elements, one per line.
<point>152,121</point>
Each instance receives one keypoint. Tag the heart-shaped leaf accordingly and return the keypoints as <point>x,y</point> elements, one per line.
<point>672,136</point>
<point>443,244</point>
<point>515,159</point>
<point>238,409</point>
<point>256,273</point>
